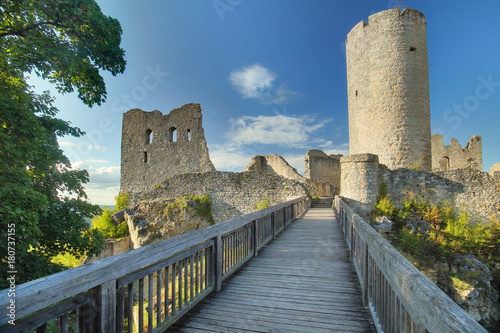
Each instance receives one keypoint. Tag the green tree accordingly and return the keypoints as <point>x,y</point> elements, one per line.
<point>43,205</point>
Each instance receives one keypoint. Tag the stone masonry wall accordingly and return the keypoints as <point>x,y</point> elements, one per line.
<point>275,165</point>
<point>156,146</point>
<point>495,174</point>
<point>454,157</point>
<point>388,89</point>
<point>323,169</point>
<point>359,181</point>
<point>112,247</point>
<point>232,194</point>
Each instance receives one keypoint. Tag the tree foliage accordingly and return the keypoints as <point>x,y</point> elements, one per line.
<point>104,222</point>
<point>42,199</point>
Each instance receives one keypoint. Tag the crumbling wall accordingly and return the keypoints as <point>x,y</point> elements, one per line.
<point>495,174</point>
<point>275,165</point>
<point>323,171</point>
<point>454,157</point>
<point>232,194</point>
<point>156,146</point>
<point>112,247</point>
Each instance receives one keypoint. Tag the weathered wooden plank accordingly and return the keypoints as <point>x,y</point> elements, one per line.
<point>58,310</point>
<point>106,311</point>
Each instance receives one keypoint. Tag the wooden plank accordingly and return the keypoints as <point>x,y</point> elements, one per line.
<point>106,311</point>
<point>58,310</point>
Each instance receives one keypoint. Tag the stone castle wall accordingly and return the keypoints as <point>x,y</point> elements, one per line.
<point>388,89</point>
<point>495,174</point>
<point>232,194</point>
<point>359,181</point>
<point>469,189</point>
<point>323,170</point>
<point>275,165</point>
<point>157,146</point>
<point>454,157</point>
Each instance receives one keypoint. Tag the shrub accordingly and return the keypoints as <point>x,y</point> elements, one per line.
<point>263,204</point>
<point>104,222</point>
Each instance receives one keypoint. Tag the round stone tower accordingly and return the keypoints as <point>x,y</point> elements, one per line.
<point>388,89</point>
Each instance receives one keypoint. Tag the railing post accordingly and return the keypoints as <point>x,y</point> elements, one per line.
<point>255,237</point>
<point>218,263</point>
<point>365,276</point>
<point>273,224</point>
<point>106,307</point>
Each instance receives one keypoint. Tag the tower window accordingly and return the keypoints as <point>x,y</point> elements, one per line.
<point>356,93</point>
<point>145,157</point>
<point>413,49</point>
<point>148,136</point>
<point>172,134</point>
<point>188,135</point>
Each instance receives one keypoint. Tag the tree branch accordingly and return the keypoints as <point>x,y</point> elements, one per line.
<point>21,32</point>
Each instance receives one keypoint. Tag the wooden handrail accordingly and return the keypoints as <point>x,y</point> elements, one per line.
<point>102,276</point>
<point>399,296</point>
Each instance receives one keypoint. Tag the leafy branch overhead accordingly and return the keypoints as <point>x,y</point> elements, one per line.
<point>67,42</point>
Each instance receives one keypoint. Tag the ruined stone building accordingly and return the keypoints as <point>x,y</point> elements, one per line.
<point>157,146</point>
<point>455,157</point>
<point>388,89</point>
<point>495,174</point>
<point>323,172</point>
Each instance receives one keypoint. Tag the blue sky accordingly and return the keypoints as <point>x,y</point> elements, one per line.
<point>271,77</point>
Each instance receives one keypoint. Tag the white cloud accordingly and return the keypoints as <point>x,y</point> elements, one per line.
<point>257,82</point>
<point>95,161</point>
<point>289,131</point>
<point>96,147</point>
<point>104,182</point>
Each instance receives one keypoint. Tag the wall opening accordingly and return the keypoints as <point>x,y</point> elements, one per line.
<point>356,93</point>
<point>413,49</point>
<point>444,164</point>
<point>148,136</point>
<point>188,135</point>
<point>172,134</point>
<point>145,157</point>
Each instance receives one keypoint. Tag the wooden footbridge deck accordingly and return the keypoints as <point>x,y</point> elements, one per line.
<point>303,281</point>
<point>286,268</point>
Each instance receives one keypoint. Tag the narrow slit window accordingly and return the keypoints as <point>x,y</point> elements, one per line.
<point>356,93</point>
<point>188,135</point>
<point>172,134</point>
<point>148,136</point>
<point>145,157</point>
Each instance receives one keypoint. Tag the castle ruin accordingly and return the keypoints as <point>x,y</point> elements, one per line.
<point>455,157</point>
<point>157,146</point>
<point>323,172</point>
<point>388,89</point>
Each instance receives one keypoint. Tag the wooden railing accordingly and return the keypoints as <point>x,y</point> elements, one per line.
<point>400,297</point>
<point>147,289</point>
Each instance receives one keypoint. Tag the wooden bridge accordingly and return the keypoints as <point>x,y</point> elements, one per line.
<point>286,268</point>
<point>301,282</point>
